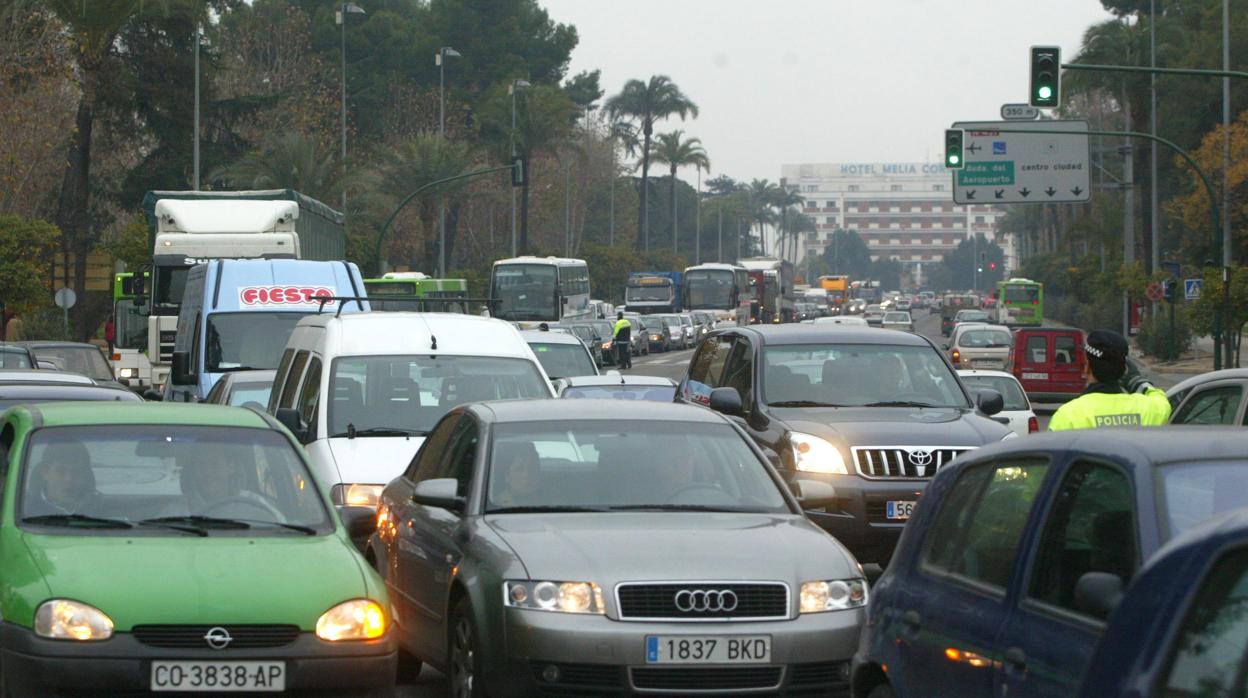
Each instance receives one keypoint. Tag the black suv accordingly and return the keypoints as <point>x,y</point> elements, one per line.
<point>873,412</point>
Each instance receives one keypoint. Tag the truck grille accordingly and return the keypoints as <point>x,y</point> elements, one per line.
<point>167,339</point>
<point>903,462</point>
<point>732,601</point>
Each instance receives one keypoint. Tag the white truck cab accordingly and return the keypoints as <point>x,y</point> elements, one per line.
<point>362,390</point>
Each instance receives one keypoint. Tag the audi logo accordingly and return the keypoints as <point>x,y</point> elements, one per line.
<point>706,600</point>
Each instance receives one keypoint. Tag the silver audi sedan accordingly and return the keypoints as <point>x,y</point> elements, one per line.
<point>529,552</point>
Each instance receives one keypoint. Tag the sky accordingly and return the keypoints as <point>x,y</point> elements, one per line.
<point>792,81</point>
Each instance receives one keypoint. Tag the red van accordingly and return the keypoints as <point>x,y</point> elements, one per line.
<point>1049,362</point>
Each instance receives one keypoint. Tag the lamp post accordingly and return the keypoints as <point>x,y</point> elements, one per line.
<point>515,86</point>
<point>340,17</point>
<point>443,53</point>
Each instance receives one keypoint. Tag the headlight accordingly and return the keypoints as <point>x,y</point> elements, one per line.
<point>656,337</point>
<point>812,454</point>
<point>62,619</point>
<point>358,619</point>
<point>566,597</point>
<point>835,595</point>
<point>606,345</point>
<point>126,373</point>
<point>356,495</point>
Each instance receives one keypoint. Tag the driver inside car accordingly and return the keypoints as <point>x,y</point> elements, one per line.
<point>214,484</point>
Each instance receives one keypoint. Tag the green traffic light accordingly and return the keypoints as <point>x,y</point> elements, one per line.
<point>953,159</point>
<point>1045,92</point>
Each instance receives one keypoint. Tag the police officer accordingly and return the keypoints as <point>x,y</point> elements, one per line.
<point>1115,396</point>
<point>623,337</point>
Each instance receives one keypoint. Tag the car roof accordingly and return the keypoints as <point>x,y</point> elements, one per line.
<point>50,344</point>
<point>254,376</point>
<point>42,375</point>
<point>986,372</point>
<point>389,332</point>
<point>632,379</point>
<point>828,334</point>
<point>1138,445</point>
<point>558,410</point>
<point>35,392</point>
<point>153,413</point>
<point>549,337</point>
<point>1209,377</point>
<point>1034,330</point>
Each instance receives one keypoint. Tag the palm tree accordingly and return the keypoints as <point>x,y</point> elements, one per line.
<point>761,196</point>
<point>290,161</point>
<point>645,103</point>
<point>416,162</point>
<point>671,149</point>
<point>786,198</point>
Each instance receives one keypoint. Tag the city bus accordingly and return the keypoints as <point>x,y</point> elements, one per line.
<point>1020,302</point>
<point>129,354</point>
<point>444,295</point>
<point>530,290</point>
<point>720,289</point>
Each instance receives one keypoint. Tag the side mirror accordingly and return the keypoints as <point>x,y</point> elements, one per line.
<point>814,494</point>
<point>442,492</point>
<point>360,522</point>
<point>989,401</point>
<point>1098,593</point>
<point>289,418</point>
<point>726,401</point>
<point>152,395</point>
<point>182,373</point>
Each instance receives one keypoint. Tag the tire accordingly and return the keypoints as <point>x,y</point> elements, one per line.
<point>882,691</point>
<point>463,659</point>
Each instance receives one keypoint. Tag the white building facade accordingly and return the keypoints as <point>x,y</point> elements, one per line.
<point>903,210</point>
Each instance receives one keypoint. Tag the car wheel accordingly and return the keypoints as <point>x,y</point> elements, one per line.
<point>463,663</point>
<point>882,691</point>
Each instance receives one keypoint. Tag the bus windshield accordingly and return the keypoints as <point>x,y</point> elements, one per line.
<point>1021,294</point>
<point>525,292</point>
<point>710,289</point>
<point>131,327</point>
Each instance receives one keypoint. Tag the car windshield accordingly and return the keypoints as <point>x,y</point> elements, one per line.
<point>134,475</point>
<point>14,358</point>
<point>525,291</point>
<point>971,316</point>
<point>859,374</point>
<point>247,340</point>
<point>1191,493</point>
<point>653,393</point>
<point>85,360</point>
<point>411,393</point>
<point>897,318</point>
<point>251,393</point>
<point>985,339</point>
<point>590,464</point>
<point>563,360</point>
<point>1015,399</point>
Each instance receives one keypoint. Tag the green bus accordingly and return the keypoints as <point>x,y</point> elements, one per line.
<point>414,291</point>
<point>1020,302</point>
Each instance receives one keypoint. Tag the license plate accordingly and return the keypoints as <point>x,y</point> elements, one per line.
<point>899,511</point>
<point>985,362</point>
<point>219,676</point>
<point>1035,376</point>
<point>708,649</point>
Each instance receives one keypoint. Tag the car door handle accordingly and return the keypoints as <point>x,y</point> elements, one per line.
<point>1016,660</point>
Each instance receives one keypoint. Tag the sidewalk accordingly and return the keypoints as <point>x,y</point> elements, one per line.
<point>1194,361</point>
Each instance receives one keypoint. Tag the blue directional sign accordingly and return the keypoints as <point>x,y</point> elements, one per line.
<point>1192,288</point>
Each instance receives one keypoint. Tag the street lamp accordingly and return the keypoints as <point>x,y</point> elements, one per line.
<point>439,60</point>
<point>515,86</point>
<point>340,18</point>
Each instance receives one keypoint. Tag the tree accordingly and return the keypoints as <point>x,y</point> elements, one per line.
<point>130,244</point>
<point>721,185</point>
<point>290,161</point>
<point>583,89</point>
<point>962,263</point>
<point>645,103</point>
<point>1192,207</point>
<point>786,198</point>
<point>26,251</point>
<point>414,163</point>
<point>847,253</point>
<point>676,152</point>
<point>762,195</point>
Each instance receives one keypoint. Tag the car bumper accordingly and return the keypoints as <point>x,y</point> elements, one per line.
<point>858,518</point>
<point>34,666</point>
<point>594,655</point>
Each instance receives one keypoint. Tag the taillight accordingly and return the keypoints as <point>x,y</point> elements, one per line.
<point>1033,425</point>
<point>957,357</point>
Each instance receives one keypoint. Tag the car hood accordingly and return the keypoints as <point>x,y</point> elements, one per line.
<point>181,579</point>
<point>889,426</point>
<point>373,459</point>
<point>653,546</point>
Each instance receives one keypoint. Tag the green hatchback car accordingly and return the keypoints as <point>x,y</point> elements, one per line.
<point>181,548</point>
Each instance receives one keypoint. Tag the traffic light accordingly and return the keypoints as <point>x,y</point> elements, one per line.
<point>1171,290</point>
<point>518,173</point>
<point>1046,76</point>
<point>953,148</point>
<point>993,266</point>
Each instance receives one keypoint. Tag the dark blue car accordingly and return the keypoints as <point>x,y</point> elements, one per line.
<point>1002,579</point>
<point>1181,629</point>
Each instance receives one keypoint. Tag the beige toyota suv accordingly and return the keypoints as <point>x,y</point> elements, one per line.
<point>981,346</point>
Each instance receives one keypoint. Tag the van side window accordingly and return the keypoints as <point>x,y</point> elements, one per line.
<point>292,382</point>
<point>1064,347</point>
<point>309,394</point>
<point>279,378</point>
<point>1037,349</point>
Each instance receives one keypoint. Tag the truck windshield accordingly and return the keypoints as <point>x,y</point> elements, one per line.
<point>238,341</point>
<point>525,292</point>
<point>650,292</point>
<point>170,283</point>
<point>710,289</point>
<point>131,327</point>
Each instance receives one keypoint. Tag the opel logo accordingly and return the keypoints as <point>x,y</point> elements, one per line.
<point>706,600</point>
<point>218,638</point>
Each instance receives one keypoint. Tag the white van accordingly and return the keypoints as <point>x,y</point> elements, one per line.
<point>362,390</point>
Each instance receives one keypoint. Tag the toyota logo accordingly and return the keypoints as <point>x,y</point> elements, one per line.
<point>706,600</point>
<point>218,638</point>
<point>921,459</point>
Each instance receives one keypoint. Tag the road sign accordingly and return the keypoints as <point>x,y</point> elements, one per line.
<point>1023,168</point>
<point>65,297</point>
<point>1019,112</point>
<point>1155,292</point>
<point>1192,288</point>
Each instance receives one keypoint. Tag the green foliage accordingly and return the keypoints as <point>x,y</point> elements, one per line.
<point>847,253</point>
<point>26,250</point>
<point>963,260</point>
<point>289,161</point>
<point>1208,310</point>
<point>130,244</point>
<point>609,267</point>
<point>1154,338</point>
<point>583,89</point>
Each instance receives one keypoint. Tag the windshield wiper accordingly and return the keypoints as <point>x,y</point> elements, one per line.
<point>685,507</point>
<point>231,369</point>
<point>902,403</point>
<point>194,520</point>
<point>543,508</point>
<point>307,530</point>
<point>804,403</point>
<point>352,432</point>
<point>69,519</point>
<point>173,525</point>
